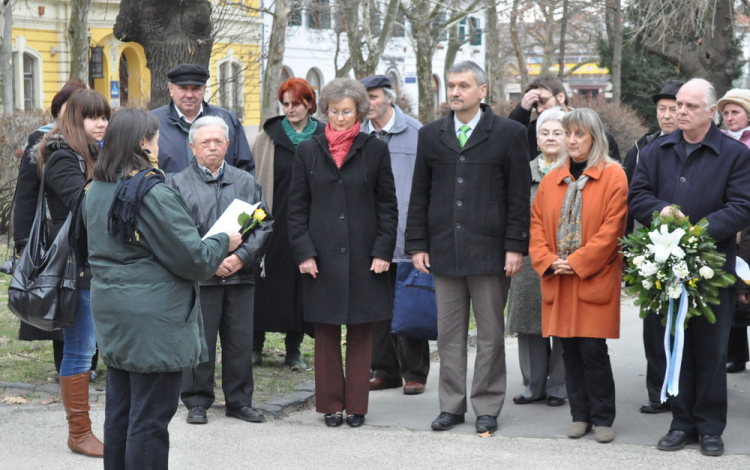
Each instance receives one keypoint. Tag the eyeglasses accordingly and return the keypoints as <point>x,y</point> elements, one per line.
<point>207,143</point>
<point>544,99</point>
<point>346,113</point>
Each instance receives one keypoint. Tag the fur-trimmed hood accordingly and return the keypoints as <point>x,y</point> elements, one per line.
<point>53,142</point>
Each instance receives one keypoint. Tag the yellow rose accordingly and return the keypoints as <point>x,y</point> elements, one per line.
<point>259,214</point>
<point>658,284</point>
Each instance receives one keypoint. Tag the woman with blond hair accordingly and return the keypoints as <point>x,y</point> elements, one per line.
<point>576,220</point>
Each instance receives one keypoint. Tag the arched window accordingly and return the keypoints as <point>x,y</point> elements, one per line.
<point>26,77</point>
<point>395,81</point>
<point>314,79</point>
<point>286,74</point>
<point>231,90</point>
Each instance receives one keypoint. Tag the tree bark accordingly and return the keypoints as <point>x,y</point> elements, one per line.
<point>520,56</point>
<point>275,59</point>
<point>172,32</point>
<point>616,42</point>
<point>6,56</point>
<point>451,49</point>
<point>425,49</point>
<point>492,62</point>
<point>78,35</point>
<point>563,32</point>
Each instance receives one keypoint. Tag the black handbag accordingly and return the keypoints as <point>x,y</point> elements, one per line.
<point>43,290</point>
<point>414,306</point>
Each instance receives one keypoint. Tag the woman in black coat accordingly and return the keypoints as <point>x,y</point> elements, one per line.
<point>66,156</point>
<point>278,296</point>
<point>342,222</point>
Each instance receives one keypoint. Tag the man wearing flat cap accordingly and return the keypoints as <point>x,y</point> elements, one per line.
<point>187,87</point>
<point>395,358</point>
<point>653,331</point>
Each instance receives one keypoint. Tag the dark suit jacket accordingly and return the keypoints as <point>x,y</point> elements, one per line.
<point>470,205</point>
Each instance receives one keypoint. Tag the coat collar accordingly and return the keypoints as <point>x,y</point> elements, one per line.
<point>561,173</point>
<point>478,135</point>
<point>227,178</point>
<point>712,140</point>
<point>276,132</point>
<point>174,118</point>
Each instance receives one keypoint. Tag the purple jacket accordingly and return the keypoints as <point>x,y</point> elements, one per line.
<point>712,183</point>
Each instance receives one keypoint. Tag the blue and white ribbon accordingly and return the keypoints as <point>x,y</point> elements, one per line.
<point>674,358</point>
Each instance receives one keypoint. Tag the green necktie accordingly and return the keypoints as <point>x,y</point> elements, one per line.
<point>462,137</point>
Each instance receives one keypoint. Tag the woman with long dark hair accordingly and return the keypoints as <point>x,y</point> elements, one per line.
<point>146,259</point>
<point>67,155</point>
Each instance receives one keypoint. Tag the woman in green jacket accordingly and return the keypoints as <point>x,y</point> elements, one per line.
<point>146,258</point>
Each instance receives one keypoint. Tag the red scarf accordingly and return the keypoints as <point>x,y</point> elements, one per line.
<point>340,142</point>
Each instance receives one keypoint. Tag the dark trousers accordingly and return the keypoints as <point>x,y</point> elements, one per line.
<point>228,312</point>
<point>394,357</point>
<point>701,405</point>
<point>138,410</point>
<point>589,380</point>
<point>737,350</point>
<point>656,358</point>
<point>333,391</point>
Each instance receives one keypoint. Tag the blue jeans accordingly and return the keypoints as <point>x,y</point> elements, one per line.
<point>80,339</point>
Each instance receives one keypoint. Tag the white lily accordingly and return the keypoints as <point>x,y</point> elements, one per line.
<point>666,244</point>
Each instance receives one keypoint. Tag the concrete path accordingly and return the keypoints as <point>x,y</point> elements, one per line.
<point>397,434</point>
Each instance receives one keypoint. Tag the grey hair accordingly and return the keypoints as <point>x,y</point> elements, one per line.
<point>390,95</point>
<point>208,121</point>
<point>587,120</point>
<point>342,88</point>
<point>469,66</point>
<point>710,97</point>
<point>552,114</point>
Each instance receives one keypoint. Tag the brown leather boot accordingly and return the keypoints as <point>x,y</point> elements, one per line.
<point>75,398</point>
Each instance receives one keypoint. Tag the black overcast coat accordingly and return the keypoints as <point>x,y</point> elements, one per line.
<point>470,205</point>
<point>344,218</point>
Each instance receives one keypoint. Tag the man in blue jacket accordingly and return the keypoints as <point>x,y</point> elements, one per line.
<point>707,174</point>
<point>395,357</point>
<point>187,87</point>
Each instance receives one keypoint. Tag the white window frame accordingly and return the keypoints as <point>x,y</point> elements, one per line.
<point>19,50</point>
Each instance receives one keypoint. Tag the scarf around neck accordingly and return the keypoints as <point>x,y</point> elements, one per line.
<point>569,224</point>
<point>127,202</point>
<point>297,137</point>
<point>340,142</point>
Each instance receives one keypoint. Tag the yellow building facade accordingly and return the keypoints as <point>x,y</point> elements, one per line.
<point>41,58</point>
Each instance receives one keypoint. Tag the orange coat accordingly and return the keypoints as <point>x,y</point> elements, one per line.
<point>587,303</point>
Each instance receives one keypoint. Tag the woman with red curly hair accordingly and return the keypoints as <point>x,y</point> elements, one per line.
<point>278,302</point>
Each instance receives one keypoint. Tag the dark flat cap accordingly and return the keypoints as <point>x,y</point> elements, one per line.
<point>188,74</point>
<point>376,81</point>
<point>668,91</point>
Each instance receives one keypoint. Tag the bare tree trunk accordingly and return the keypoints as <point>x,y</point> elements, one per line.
<point>172,32</point>
<point>425,49</point>
<point>78,35</point>
<point>616,42</point>
<point>520,56</point>
<point>453,44</point>
<point>275,60</point>
<point>6,57</point>
<point>492,61</point>
<point>563,32</point>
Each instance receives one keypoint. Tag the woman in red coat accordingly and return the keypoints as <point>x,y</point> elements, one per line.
<point>576,220</point>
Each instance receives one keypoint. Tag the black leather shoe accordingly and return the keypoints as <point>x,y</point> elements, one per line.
<point>355,421</point>
<point>486,423</point>
<point>522,400</point>
<point>334,420</point>
<point>197,415</point>
<point>734,367</point>
<point>246,413</point>
<point>675,440</point>
<point>712,445</point>
<point>555,401</point>
<point>654,407</point>
<point>446,421</point>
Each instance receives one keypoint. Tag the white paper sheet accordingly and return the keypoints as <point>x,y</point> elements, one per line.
<point>742,270</point>
<point>228,220</point>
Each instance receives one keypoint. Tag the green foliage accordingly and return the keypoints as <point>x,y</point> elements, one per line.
<point>643,74</point>
<point>693,265</point>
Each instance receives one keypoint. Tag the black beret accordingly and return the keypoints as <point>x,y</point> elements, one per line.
<point>376,81</point>
<point>188,74</point>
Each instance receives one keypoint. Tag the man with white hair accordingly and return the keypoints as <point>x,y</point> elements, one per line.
<point>209,186</point>
<point>707,174</point>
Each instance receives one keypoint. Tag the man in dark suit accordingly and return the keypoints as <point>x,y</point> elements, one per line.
<point>707,174</point>
<point>468,224</point>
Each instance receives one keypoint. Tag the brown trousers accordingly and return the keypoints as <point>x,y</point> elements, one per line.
<point>333,391</point>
